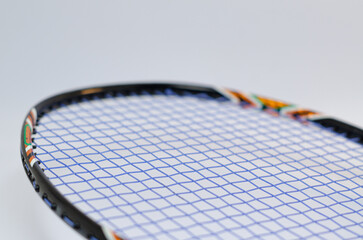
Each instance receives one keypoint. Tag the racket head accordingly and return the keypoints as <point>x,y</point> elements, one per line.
<point>86,225</point>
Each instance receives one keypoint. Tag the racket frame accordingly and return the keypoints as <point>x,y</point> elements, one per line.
<point>71,214</point>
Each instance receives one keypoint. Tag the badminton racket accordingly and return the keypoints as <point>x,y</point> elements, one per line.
<point>173,161</point>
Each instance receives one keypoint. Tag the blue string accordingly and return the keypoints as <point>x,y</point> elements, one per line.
<point>186,167</point>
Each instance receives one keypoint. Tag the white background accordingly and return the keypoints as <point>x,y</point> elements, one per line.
<point>307,52</point>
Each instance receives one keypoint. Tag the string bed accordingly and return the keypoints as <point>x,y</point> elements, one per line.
<point>168,166</point>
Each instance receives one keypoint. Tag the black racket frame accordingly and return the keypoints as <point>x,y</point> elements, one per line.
<point>59,204</point>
